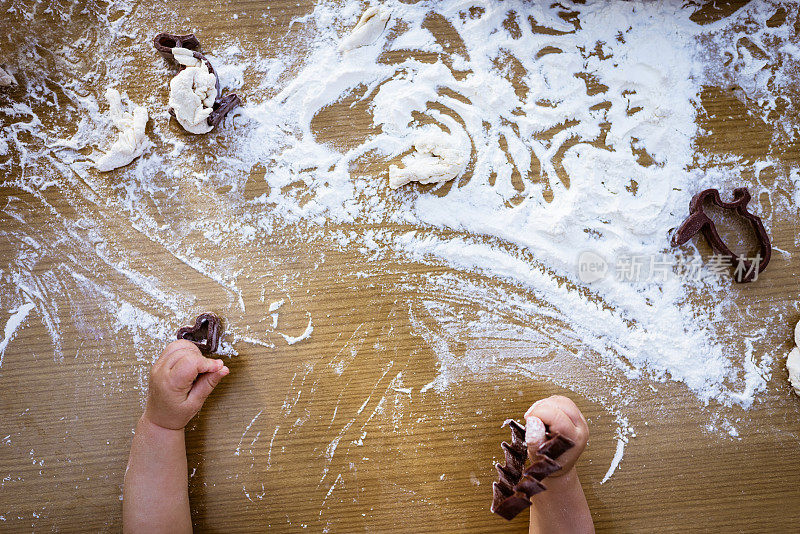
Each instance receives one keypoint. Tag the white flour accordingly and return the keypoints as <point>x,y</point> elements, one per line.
<point>291,340</point>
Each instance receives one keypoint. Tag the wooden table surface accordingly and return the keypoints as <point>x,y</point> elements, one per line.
<point>319,435</point>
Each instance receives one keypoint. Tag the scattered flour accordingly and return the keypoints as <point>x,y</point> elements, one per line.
<point>618,454</point>
<point>305,335</point>
<point>12,325</point>
<point>273,311</point>
<point>593,151</point>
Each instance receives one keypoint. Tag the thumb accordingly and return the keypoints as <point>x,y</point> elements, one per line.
<point>205,384</point>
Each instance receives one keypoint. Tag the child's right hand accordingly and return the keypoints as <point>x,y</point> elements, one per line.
<point>561,415</point>
<point>180,382</point>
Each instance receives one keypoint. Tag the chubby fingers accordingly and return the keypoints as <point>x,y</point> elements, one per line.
<point>183,363</point>
<point>174,352</point>
<point>561,415</point>
<point>206,383</point>
<point>187,369</point>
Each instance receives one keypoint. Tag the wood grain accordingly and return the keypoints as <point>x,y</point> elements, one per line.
<point>260,452</point>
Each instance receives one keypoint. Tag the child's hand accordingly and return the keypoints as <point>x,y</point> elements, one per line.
<point>561,415</point>
<point>563,508</point>
<point>180,381</point>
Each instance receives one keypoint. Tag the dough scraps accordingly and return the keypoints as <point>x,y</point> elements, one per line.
<point>192,92</point>
<point>436,158</point>
<point>793,366</point>
<point>131,141</point>
<point>367,30</point>
<point>6,79</point>
<point>793,361</point>
<point>797,334</point>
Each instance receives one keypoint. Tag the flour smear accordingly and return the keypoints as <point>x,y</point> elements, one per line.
<point>578,124</point>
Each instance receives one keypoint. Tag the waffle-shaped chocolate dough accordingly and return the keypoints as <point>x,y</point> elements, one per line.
<point>512,493</point>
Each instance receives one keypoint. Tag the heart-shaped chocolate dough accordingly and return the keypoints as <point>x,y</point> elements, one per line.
<point>165,42</point>
<point>205,333</point>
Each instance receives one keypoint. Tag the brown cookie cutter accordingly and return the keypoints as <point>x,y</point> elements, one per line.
<point>698,221</point>
<point>512,493</point>
<point>205,333</point>
<point>165,42</point>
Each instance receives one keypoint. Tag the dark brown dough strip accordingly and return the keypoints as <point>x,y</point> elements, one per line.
<point>507,473</point>
<point>512,492</point>
<point>529,486</point>
<point>165,42</point>
<point>205,333</point>
<point>555,446</point>
<point>543,466</point>
<point>509,505</point>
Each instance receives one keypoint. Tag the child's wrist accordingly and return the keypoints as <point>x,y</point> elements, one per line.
<point>561,481</point>
<point>563,473</point>
<point>154,422</point>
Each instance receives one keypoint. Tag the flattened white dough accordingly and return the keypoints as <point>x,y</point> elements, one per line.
<point>6,79</point>
<point>367,30</point>
<point>192,92</point>
<point>793,366</point>
<point>436,158</point>
<point>534,431</point>
<point>131,141</point>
